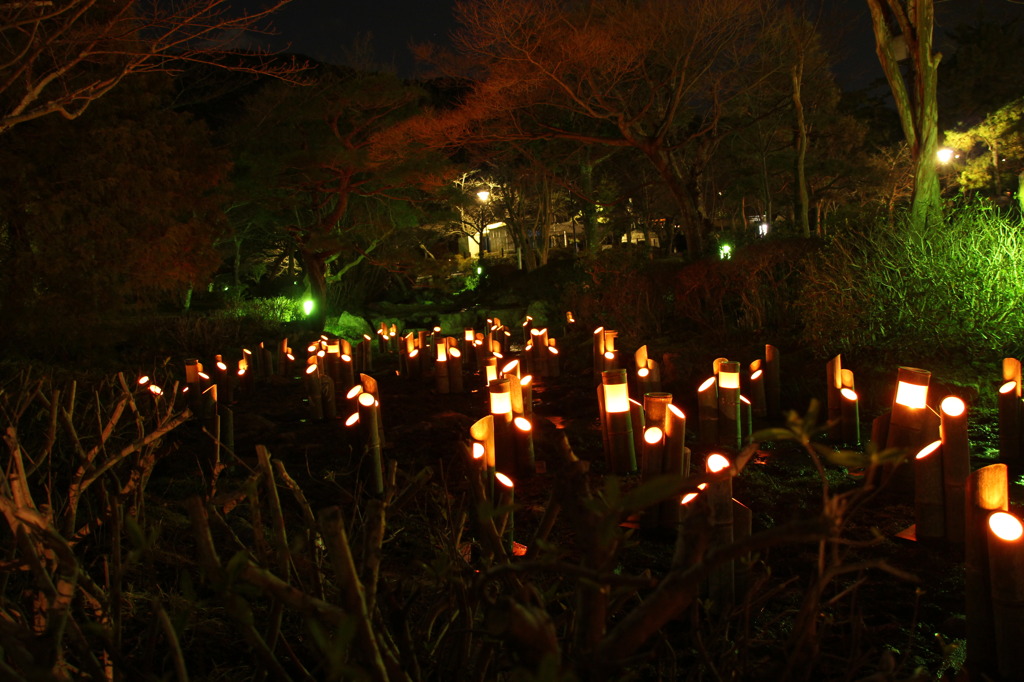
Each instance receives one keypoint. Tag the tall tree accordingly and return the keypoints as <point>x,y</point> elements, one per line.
<point>322,165</point>
<point>653,76</point>
<point>903,30</point>
<point>58,57</point>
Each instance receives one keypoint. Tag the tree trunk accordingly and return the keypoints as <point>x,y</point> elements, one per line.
<point>802,207</point>
<point>917,108</point>
<point>591,238</point>
<point>316,282</point>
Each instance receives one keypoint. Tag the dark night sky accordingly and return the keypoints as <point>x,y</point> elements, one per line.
<point>322,29</point>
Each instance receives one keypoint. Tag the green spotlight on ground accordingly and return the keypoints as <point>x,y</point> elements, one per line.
<point>724,251</point>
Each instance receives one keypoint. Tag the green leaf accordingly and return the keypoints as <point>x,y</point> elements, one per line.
<point>651,492</point>
<point>773,433</point>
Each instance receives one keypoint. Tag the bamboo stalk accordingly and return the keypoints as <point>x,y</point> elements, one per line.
<point>987,491</point>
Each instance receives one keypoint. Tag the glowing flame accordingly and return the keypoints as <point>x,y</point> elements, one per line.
<point>754,376</point>
<point>352,419</point>
<point>367,399</point>
<point>523,424</point>
<point>717,462</point>
<point>1006,526</point>
<point>454,352</point>
<point>311,369</point>
<point>729,380</point>
<point>849,394</point>
<point>616,397</point>
<point>689,497</point>
<point>952,406</point>
<point>676,411</point>
<point>504,480</point>
<point>928,449</point>
<point>143,380</point>
<point>501,402</point>
<point>478,451</point>
<point>653,435</point>
<point>354,391</point>
<point>708,383</point>
<point>643,372</point>
<point>526,380</point>
<point>510,367</point>
<point>914,396</point>
<point>156,390</point>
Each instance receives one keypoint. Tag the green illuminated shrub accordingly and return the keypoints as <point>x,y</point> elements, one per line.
<point>914,291</point>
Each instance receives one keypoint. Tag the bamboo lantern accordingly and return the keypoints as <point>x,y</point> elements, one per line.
<point>850,417</point>
<point>746,419</point>
<point>638,422</point>
<point>987,491</point>
<point>538,355</point>
<point>490,366</point>
<point>522,434</point>
<point>352,397</point>
<point>759,406</point>
<point>619,448</point>
<point>506,501</point>
<point>929,499</point>
<point>501,410</point>
<point>773,380</point>
<point>656,409</point>
<point>369,422</point>
<point>707,411</point>
<point>478,467</point>
<point>553,365</point>
<point>441,379</point>
<point>906,420</point>
<point>1009,422</point>
<point>314,392</point>
<point>721,585</point>
<point>833,373</point>
<point>526,395</point>
<point>455,370</point>
<point>482,433</point>
<point>207,397</point>
<point>369,385</point>
<point>676,459</point>
<point>956,463</point>
<point>225,389</point>
<point>193,368</point>
<point>729,405</point>
<point>1006,575</point>
<point>467,340</point>
<point>653,453</point>
<point>510,369</point>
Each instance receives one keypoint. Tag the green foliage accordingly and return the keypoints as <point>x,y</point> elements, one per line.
<point>911,291</point>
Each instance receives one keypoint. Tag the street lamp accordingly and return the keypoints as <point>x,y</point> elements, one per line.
<point>944,155</point>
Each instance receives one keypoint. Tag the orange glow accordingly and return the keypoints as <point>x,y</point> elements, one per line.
<point>552,349</point>
<point>311,369</point>
<point>756,375</point>
<point>928,449</point>
<point>143,380</point>
<point>156,390</point>
<point>354,391</point>
<point>598,330</point>
<point>491,373</point>
<point>653,435</point>
<point>311,348</point>
<point>728,380</point>
<point>708,383</point>
<point>523,424</point>
<point>643,372</point>
<point>914,396</point>
<point>849,394</point>
<point>510,367</point>
<point>203,375</point>
<point>469,335</point>
<point>1006,526</point>
<point>689,497</point>
<point>527,321</point>
<point>501,402</point>
<point>952,406</point>
<point>609,355</point>
<point>414,352</point>
<point>504,480</point>
<point>352,419</point>
<point>478,451</point>
<point>367,399</point>
<point>616,397</point>
<point>717,462</point>
<point>346,358</point>
<point>676,411</point>
<point>526,380</point>
<point>454,352</point>
<point>442,355</point>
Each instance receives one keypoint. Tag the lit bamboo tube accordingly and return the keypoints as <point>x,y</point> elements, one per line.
<point>515,390</point>
<point>652,455</point>
<point>1006,575</point>
<point>833,375</point>
<point>956,463</point>
<point>729,431</point>
<point>526,395</point>
<point>638,423</point>
<point>620,451</point>
<point>527,328</point>
<point>599,350</point>
<point>522,434</point>
<point>987,491</point>
<point>506,501</point>
<point>369,385</point>
<point>510,369</point>
<point>346,372</point>
<point>643,382</point>
<point>284,358</point>
<point>466,341</point>
<point>248,363</point>
<point>656,409</point>
<point>553,365</point>
<point>773,380</point>
<point>369,418</point>
<point>539,352</point>
<point>490,365</point>
<point>850,417</point>
<point>746,419</point>
<point>500,395</point>
<point>207,397</point>
<point>609,361</point>
<point>477,468</point>
<point>482,432</point>
<point>225,387</point>
<point>759,407</point>
<point>676,460</point>
<point>441,378</point>
<point>314,392</point>
<point>707,411</point>
<point>1009,422</point>
<point>929,499</point>
<point>455,370</point>
<point>193,368</point>
<point>352,398</point>
<point>721,585</point>
<point>908,408</point>
<point>480,353</point>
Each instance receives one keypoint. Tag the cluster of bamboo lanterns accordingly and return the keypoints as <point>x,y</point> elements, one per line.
<point>725,416</point>
<point>663,451</point>
<point>369,427</point>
